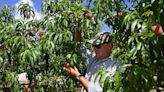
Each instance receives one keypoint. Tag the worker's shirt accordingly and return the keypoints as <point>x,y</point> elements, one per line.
<point>111,64</point>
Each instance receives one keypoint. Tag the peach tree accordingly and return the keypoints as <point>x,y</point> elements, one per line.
<point>41,47</point>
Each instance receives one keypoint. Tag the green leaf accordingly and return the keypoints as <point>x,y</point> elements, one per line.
<point>139,44</point>
<point>107,84</point>
<point>132,52</point>
<point>147,13</point>
<point>34,55</point>
<point>147,6</point>
<point>101,80</point>
<point>134,23</point>
<point>1,59</point>
<point>131,39</point>
<point>65,23</point>
<point>155,53</point>
<point>144,26</point>
<point>52,45</point>
<point>99,74</point>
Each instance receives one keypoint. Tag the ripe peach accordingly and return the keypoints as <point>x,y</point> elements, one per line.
<point>157,29</point>
<point>88,15</point>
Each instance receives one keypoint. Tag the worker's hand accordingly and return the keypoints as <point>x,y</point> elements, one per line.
<point>73,72</point>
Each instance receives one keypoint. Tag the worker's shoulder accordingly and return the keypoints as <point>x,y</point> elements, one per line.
<point>114,61</point>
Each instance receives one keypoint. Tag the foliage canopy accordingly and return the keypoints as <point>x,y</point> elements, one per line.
<point>41,47</point>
